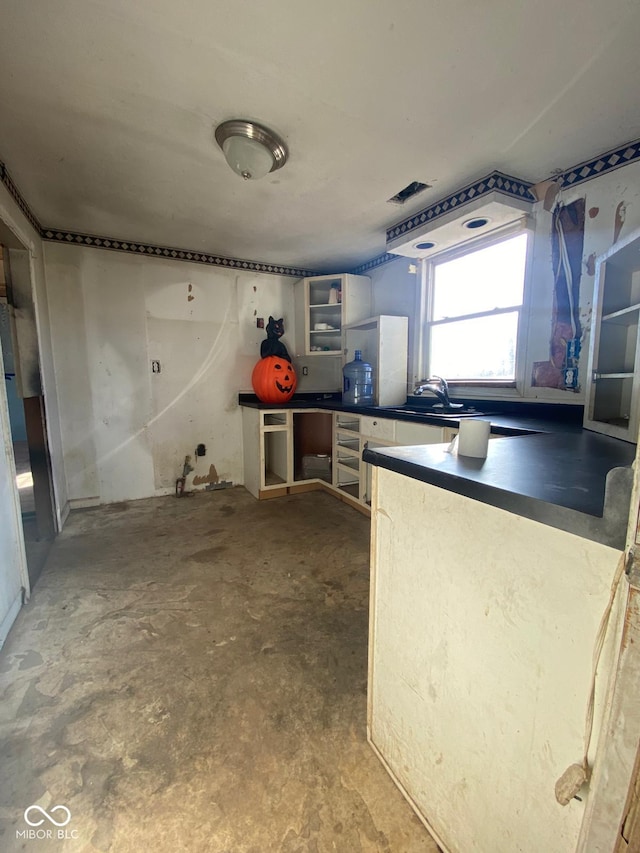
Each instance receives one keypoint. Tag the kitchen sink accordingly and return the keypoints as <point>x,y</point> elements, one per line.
<point>434,411</point>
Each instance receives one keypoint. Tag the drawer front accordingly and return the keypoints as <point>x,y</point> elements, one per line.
<point>410,433</point>
<point>378,428</point>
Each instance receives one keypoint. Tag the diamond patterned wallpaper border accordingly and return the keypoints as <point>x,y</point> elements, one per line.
<point>137,248</point>
<point>585,171</point>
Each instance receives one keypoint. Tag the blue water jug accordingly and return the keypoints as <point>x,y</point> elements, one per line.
<point>357,389</point>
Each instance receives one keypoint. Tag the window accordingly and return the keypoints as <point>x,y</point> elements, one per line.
<point>474,302</point>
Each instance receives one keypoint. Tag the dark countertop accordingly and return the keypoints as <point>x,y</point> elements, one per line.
<point>578,481</point>
<point>550,469</point>
<point>506,418</point>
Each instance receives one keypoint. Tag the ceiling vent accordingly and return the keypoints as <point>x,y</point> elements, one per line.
<point>408,192</point>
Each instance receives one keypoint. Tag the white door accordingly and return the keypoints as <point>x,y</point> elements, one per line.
<point>14,580</point>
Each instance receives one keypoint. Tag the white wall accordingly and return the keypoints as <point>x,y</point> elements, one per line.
<point>394,288</point>
<point>125,430</point>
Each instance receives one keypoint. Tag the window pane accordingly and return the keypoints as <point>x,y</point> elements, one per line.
<point>483,348</point>
<point>488,278</point>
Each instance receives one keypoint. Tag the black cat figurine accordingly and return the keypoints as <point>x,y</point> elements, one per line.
<point>273,345</point>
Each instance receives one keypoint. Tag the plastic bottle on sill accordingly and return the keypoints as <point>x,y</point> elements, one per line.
<point>357,389</point>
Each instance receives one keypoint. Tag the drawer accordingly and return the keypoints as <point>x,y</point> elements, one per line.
<point>378,428</point>
<point>410,433</point>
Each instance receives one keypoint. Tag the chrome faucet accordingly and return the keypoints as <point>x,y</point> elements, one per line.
<point>438,386</point>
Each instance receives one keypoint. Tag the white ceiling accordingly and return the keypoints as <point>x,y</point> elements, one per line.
<point>107,111</point>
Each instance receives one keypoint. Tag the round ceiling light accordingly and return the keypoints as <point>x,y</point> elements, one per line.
<point>250,149</point>
<point>478,222</point>
<point>424,246</point>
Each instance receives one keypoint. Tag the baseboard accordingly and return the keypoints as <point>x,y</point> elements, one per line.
<point>347,499</point>
<point>83,503</point>
<point>64,515</point>
<point>10,618</point>
<point>443,847</point>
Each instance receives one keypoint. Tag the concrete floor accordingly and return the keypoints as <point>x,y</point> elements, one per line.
<point>191,675</point>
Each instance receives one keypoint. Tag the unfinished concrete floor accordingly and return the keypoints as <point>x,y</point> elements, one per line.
<point>191,675</point>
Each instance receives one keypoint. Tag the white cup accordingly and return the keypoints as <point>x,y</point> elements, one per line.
<point>473,438</point>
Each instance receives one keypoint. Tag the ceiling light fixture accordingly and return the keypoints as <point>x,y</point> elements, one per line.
<point>250,149</point>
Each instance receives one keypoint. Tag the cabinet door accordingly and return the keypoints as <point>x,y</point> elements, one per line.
<point>384,428</point>
<point>412,433</point>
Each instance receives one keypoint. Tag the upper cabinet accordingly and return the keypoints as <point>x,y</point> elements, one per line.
<point>613,382</point>
<point>325,304</point>
<point>383,342</point>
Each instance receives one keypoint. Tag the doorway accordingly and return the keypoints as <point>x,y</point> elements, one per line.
<point>18,336</point>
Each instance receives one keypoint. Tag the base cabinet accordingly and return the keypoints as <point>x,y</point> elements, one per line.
<point>353,434</point>
<point>278,445</point>
<point>283,447</point>
<point>481,636</point>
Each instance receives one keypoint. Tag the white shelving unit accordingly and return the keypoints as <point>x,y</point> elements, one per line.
<point>613,382</point>
<point>384,341</point>
<point>320,321</point>
<point>353,433</point>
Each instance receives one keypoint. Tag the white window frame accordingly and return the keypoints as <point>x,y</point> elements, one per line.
<point>479,388</point>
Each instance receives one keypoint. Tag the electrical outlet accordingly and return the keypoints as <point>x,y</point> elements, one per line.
<point>155,366</point>
<point>305,370</point>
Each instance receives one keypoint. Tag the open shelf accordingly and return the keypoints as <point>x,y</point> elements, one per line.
<point>613,391</point>
<point>623,317</point>
<point>352,489</point>
<point>351,464</point>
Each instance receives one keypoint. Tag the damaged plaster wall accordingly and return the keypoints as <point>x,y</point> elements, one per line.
<point>613,211</point>
<point>612,205</point>
<point>127,429</point>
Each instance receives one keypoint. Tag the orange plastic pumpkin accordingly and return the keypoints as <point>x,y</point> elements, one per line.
<point>274,380</point>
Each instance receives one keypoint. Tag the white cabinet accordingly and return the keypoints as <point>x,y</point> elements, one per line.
<point>613,382</point>
<point>353,434</point>
<point>275,445</point>
<point>268,454</point>
<point>347,454</point>
<point>325,304</point>
<point>412,433</point>
<point>278,441</point>
<point>384,342</point>
<point>384,428</point>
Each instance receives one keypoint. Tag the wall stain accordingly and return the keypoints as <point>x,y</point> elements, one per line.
<point>591,264</point>
<point>211,477</point>
<point>618,222</point>
<point>593,212</point>
<point>546,191</point>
